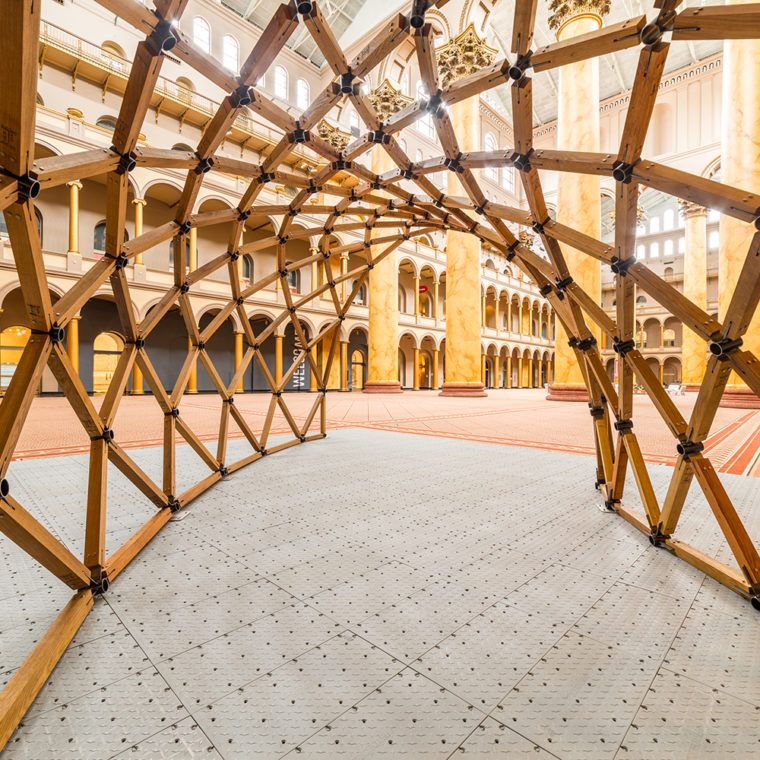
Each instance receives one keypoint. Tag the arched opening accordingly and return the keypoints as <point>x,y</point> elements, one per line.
<point>13,340</point>
<point>106,350</point>
<point>357,352</point>
<point>671,371</point>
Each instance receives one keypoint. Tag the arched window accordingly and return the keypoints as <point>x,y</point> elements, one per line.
<point>247,268</point>
<point>425,122</point>
<point>682,244</point>
<point>3,227</point>
<point>99,237</point>
<point>361,295</point>
<point>418,155</point>
<point>641,252</point>
<point>402,144</point>
<point>302,94</point>
<point>106,122</point>
<point>12,343</point>
<point>667,219</point>
<point>641,300</point>
<point>38,218</point>
<point>654,224</point>
<point>669,337</point>
<point>106,349</point>
<point>489,145</point>
<point>508,178</point>
<point>280,82</point>
<point>114,56</point>
<point>230,53</point>
<point>187,254</point>
<point>294,280</point>
<point>668,273</point>
<point>713,241</point>
<point>202,34</point>
<point>667,248</point>
<point>654,251</point>
<point>713,216</point>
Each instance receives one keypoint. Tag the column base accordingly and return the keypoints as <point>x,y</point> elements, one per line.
<point>567,393</point>
<point>382,388</point>
<point>739,398</point>
<point>463,390</point>
<point>692,387</point>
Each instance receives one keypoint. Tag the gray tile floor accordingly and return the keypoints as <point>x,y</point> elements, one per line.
<point>379,595</point>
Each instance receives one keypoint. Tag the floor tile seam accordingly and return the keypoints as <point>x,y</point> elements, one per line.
<point>269,671</point>
<point>688,598</point>
<point>348,709</point>
<point>160,731</point>
<point>659,668</point>
<point>711,687</point>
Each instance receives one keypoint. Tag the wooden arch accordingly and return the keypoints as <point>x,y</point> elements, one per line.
<point>388,215</point>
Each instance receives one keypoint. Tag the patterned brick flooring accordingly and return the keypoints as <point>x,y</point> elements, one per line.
<point>513,417</point>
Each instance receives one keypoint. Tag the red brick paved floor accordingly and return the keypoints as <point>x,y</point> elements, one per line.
<point>514,417</point>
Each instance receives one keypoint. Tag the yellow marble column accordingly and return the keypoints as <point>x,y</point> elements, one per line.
<point>435,300</point>
<point>238,357</point>
<point>278,340</point>
<point>192,383</point>
<point>137,381</point>
<point>740,167</point>
<point>694,349</point>
<point>312,376</point>
<point>192,255</point>
<point>74,187</point>
<point>332,381</point>
<point>463,305</point>
<point>496,314</point>
<point>519,372</point>
<point>496,379</point>
<point>416,369</point>
<point>72,342</point>
<point>483,361</point>
<point>139,204</point>
<point>578,202</point>
<point>344,270</point>
<point>434,382</point>
<point>508,384</point>
<point>483,310</point>
<point>382,369</point>
<point>344,365</point>
<point>416,296</point>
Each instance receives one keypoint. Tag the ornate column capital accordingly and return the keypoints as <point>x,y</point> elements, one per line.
<point>75,183</point>
<point>564,11</point>
<point>526,238</point>
<point>332,135</point>
<point>462,55</point>
<point>689,209</point>
<point>387,100</point>
<point>139,201</point>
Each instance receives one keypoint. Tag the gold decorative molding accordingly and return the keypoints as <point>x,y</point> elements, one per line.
<point>526,238</point>
<point>689,209</point>
<point>387,100</point>
<point>332,135</point>
<point>641,216</point>
<point>464,54</point>
<point>563,11</point>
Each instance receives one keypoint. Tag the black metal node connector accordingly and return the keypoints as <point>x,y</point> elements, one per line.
<point>184,228</point>
<point>346,83</point>
<point>223,471</point>
<point>512,248</point>
<point>277,393</point>
<point>139,343</point>
<point>121,262</point>
<point>298,135</point>
<point>453,165</point>
<point>379,137</point>
<point>340,165</point>
<point>201,345</point>
<point>302,438</point>
<point>434,106</point>
<point>304,7</point>
<point>723,347</point>
<point>28,188</point>
<point>5,488</point>
<point>331,283</point>
<point>337,212</point>
<point>688,448</point>
<point>241,97</point>
<point>173,412</point>
<point>127,162</point>
<point>546,290</point>
<point>294,211</point>
<point>521,161</point>
<point>622,172</point>
<point>341,317</point>
<point>407,174</point>
<point>519,67</point>
<point>162,39</point>
<point>480,210</point>
<point>370,266</point>
<point>243,215</point>
<point>184,288</point>
<point>282,239</point>
<point>755,602</point>
<point>292,309</point>
<point>609,504</point>
<point>417,16</point>
<point>265,177</point>
<point>106,435</point>
<point>327,230</point>
<point>562,285</point>
<point>326,254</point>
<point>573,342</point>
<point>174,506</point>
<point>622,347</point>
<point>100,586</point>
<point>283,272</point>
<point>621,266</point>
<point>263,452</point>
<point>657,537</point>
<point>757,222</point>
<point>255,346</point>
<point>624,426</point>
<point>204,165</point>
<point>234,255</point>
<point>598,483</point>
<point>311,189</point>
<point>230,400</point>
<point>323,391</point>
<point>56,334</point>
<point>597,412</point>
<point>538,227</point>
<point>240,300</point>
<point>587,343</point>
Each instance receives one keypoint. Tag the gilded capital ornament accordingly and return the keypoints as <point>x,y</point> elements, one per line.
<point>332,135</point>
<point>563,11</point>
<point>387,100</point>
<point>526,238</point>
<point>689,209</point>
<point>464,54</point>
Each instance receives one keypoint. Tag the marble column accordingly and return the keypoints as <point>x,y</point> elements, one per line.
<point>238,357</point>
<point>313,385</point>
<point>382,363</point>
<point>332,381</point>
<point>74,187</point>
<point>435,301</point>
<point>740,167</point>
<point>508,384</point>
<point>192,383</point>
<point>416,297</point>
<point>344,284</point>
<point>72,342</point>
<point>192,255</point>
<point>434,382</point>
<point>139,204</point>
<point>463,310</point>
<point>694,349</point>
<point>278,340</point>
<point>578,203</point>
<point>496,314</point>
<point>344,365</point>
<point>496,378</point>
<point>416,370</point>
<point>137,381</point>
